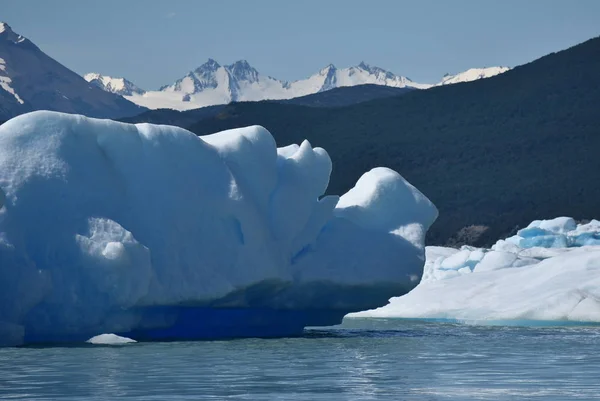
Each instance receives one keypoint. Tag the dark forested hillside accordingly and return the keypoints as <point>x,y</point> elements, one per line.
<point>175,117</point>
<point>347,95</point>
<point>497,152</point>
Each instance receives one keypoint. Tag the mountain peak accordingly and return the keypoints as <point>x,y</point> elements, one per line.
<point>31,80</point>
<point>4,27</point>
<point>243,71</point>
<point>91,76</point>
<point>372,69</point>
<point>326,70</point>
<point>6,33</point>
<point>240,63</point>
<point>119,86</point>
<point>210,65</point>
<point>240,66</point>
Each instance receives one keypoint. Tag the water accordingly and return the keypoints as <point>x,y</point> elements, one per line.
<point>364,359</point>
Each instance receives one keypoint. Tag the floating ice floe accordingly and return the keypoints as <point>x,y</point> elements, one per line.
<point>549,271</point>
<point>110,339</point>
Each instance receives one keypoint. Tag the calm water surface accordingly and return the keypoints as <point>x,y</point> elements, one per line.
<point>363,359</point>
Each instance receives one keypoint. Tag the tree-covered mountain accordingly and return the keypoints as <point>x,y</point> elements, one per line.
<point>347,95</point>
<point>175,117</point>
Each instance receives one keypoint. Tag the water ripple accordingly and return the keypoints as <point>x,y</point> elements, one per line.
<point>363,359</point>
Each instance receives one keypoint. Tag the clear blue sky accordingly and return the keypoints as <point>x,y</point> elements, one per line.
<point>155,42</point>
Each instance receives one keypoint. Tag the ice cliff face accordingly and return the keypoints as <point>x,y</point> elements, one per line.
<point>151,232</point>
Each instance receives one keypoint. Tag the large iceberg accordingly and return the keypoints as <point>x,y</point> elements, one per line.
<point>549,271</point>
<point>151,232</point>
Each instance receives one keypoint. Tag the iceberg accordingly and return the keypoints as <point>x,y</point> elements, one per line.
<point>150,232</point>
<point>110,339</point>
<point>548,272</point>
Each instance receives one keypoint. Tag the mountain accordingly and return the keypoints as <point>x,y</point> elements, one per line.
<point>120,86</point>
<point>31,80</point>
<point>492,154</point>
<point>214,84</point>
<point>472,75</point>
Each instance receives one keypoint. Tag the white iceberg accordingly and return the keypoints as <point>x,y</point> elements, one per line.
<point>109,339</point>
<point>549,271</point>
<point>561,232</point>
<point>151,232</point>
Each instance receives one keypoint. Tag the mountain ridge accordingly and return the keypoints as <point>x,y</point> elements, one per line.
<point>212,84</point>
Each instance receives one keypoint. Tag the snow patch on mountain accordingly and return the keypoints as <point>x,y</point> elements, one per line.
<point>5,80</point>
<point>472,74</point>
<point>7,34</point>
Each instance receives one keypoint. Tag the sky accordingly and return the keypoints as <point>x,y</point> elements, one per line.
<point>153,43</point>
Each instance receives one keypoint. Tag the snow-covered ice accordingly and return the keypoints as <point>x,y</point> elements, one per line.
<point>110,339</point>
<point>151,232</point>
<point>561,232</point>
<point>549,271</point>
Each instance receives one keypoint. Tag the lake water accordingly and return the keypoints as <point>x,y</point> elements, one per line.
<point>363,359</point>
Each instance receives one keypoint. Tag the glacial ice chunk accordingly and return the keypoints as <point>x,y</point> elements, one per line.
<point>110,339</point>
<point>549,271</point>
<point>151,232</point>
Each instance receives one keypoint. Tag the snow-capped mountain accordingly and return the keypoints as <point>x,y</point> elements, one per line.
<point>31,80</point>
<point>472,75</point>
<point>212,84</point>
<point>120,86</point>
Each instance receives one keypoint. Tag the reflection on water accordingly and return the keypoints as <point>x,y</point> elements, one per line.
<point>363,359</point>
